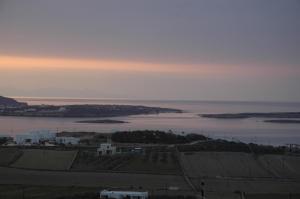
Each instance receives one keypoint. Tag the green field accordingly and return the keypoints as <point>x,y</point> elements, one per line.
<point>45,159</point>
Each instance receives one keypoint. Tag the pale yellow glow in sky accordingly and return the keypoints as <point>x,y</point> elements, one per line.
<point>17,63</point>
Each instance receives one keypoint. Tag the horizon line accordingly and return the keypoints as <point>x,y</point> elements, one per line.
<point>37,98</point>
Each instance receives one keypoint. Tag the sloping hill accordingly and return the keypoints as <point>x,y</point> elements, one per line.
<point>5,101</point>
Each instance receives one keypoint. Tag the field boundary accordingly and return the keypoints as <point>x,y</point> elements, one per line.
<point>73,160</point>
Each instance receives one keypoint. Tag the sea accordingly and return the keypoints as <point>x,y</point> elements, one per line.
<point>253,130</point>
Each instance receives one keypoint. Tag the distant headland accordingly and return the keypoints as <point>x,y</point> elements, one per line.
<point>9,102</point>
<point>11,107</point>
<point>107,121</point>
<point>252,115</point>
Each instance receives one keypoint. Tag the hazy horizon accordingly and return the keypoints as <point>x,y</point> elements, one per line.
<point>234,50</point>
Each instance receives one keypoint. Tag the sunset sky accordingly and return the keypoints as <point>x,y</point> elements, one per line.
<point>151,49</point>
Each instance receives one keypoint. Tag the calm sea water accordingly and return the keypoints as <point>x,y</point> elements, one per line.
<point>247,130</point>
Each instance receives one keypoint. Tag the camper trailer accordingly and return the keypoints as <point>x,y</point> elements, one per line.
<point>123,195</point>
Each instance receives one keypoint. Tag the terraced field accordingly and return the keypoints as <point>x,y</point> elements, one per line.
<point>45,159</point>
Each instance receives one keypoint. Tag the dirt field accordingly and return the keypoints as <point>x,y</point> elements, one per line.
<point>45,192</point>
<point>125,181</point>
<point>152,162</point>
<point>226,173</point>
<point>88,161</point>
<point>250,186</point>
<point>45,159</point>
<point>281,166</point>
<point>272,196</point>
<point>223,164</point>
<point>9,155</point>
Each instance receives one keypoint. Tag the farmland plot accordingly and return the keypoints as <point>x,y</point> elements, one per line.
<point>281,165</point>
<point>45,159</point>
<point>248,186</point>
<point>89,161</point>
<point>9,155</point>
<point>152,162</point>
<point>222,164</point>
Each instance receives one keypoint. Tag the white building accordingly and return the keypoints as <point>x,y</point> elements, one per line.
<point>123,194</point>
<point>67,140</point>
<point>106,149</point>
<point>35,137</point>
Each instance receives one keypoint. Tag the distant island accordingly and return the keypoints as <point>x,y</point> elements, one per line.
<point>10,107</point>
<point>283,121</point>
<point>284,115</point>
<point>101,121</point>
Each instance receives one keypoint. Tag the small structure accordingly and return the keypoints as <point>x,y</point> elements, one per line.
<point>106,149</point>
<point>35,137</point>
<point>67,140</point>
<point>123,195</point>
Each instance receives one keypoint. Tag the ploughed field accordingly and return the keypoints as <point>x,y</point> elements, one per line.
<point>45,159</point>
<point>153,161</point>
<point>9,155</point>
<point>240,165</point>
<point>225,173</point>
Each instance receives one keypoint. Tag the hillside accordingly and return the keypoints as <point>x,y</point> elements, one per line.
<point>5,101</point>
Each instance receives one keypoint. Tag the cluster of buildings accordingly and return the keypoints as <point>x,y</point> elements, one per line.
<point>44,137</point>
<point>49,138</point>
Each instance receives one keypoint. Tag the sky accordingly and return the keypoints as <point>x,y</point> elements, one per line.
<point>159,49</point>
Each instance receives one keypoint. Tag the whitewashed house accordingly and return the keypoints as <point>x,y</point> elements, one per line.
<point>35,137</point>
<point>67,140</point>
<point>106,149</point>
<point>123,194</point>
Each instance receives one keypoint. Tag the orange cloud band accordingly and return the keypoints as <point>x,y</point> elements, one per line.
<point>17,62</point>
<point>14,62</point>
